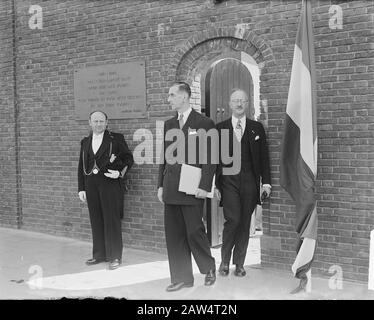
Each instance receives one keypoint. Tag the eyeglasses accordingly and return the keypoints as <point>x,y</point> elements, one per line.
<point>237,101</point>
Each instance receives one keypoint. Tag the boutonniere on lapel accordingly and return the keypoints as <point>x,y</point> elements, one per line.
<point>191,131</point>
<point>112,158</point>
<point>256,137</point>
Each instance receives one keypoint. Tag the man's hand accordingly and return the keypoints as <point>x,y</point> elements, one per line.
<point>114,174</point>
<point>82,196</point>
<point>217,194</point>
<point>201,194</point>
<point>160,191</point>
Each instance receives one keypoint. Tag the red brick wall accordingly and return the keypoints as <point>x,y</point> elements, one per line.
<point>166,34</point>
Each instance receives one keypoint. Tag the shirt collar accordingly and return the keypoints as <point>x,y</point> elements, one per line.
<point>234,121</point>
<point>185,114</point>
<point>97,136</point>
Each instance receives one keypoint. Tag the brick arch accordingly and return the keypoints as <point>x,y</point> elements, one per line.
<point>196,54</point>
<point>204,46</point>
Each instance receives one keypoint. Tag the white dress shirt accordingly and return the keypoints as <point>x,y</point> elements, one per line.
<point>185,115</point>
<point>234,122</point>
<point>97,139</point>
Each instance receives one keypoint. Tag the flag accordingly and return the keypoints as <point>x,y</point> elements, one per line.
<point>298,168</point>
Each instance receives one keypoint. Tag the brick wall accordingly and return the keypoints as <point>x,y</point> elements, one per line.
<point>8,150</point>
<point>345,72</point>
<point>173,38</point>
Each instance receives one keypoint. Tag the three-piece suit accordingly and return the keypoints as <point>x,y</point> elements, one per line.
<point>241,192</point>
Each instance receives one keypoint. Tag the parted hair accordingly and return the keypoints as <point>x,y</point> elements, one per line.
<point>184,86</point>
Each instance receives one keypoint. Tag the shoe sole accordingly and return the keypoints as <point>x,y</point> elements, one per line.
<point>92,264</point>
<point>115,267</point>
<point>184,286</point>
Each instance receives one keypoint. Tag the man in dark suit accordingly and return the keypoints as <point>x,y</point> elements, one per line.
<point>104,159</point>
<point>184,228</point>
<point>240,192</point>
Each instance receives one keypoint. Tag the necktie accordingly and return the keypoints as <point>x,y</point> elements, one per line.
<point>181,122</point>
<point>239,129</point>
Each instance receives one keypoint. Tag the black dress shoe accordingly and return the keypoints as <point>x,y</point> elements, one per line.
<point>91,262</point>
<point>114,264</point>
<point>239,271</point>
<point>210,277</point>
<point>224,269</point>
<point>178,286</point>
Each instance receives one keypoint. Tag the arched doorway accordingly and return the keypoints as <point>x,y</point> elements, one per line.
<point>221,78</point>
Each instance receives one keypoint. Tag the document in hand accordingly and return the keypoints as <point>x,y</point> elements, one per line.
<point>190,179</point>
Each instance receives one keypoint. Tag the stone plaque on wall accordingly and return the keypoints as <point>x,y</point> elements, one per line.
<point>117,89</point>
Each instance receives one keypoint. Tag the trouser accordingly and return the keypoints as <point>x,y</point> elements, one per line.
<point>185,234</point>
<point>104,204</point>
<point>239,199</point>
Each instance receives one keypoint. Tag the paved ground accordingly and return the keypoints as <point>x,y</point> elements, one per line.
<point>39,266</point>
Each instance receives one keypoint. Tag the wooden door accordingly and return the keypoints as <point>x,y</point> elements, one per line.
<point>219,81</point>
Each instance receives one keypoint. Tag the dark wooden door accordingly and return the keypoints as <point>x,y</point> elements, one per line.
<point>219,81</point>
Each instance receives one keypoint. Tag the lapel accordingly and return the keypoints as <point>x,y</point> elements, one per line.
<point>190,121</point>
<point>104,145</point>
<point>174,122</point>
<point>251,135</point>
<point>229,126</point>
<point>87,149</point>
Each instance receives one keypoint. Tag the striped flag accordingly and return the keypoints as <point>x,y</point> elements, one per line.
<point>299,146</point>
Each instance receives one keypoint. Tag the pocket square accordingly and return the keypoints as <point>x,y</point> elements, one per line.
<point>257,137</point>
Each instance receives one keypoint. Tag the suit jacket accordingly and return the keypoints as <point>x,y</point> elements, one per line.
<point>169,174</point>
<point>112,144</point>
<point>258,150</point>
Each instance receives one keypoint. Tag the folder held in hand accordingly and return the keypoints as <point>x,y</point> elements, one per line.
<point>190,179</point>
